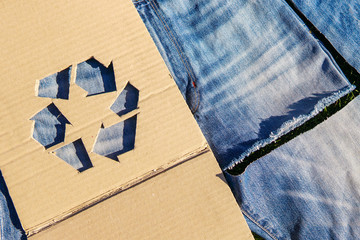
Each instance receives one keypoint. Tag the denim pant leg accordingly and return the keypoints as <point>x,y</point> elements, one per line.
<point>309,188</point>
<point>339,22</point>
<point>11,228</point>
<point>249,70</point>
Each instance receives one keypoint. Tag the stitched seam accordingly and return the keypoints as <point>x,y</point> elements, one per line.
<point>257,224</point>
<point>174,39</point>
<point>138,1</point>
<point>178,49</point>
<point>193,79</point>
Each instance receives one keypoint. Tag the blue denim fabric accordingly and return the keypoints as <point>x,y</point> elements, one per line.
<point>127,100</point>
<point>339,21</point>
<point>116,139</point>
<point>9,222</point>
<point>56,85</point>
<point>309,188</point>
<point>75,154</point>
<point>249,70</point>
<point>95,78</point>
<point>49,126</point>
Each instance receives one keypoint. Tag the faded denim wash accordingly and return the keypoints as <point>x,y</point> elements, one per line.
<point>339,22</point>
<point>309,188</point>
<point>249,70</point>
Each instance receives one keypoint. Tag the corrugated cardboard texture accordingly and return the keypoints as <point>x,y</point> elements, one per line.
<point>41,38</point>
<point>185,202</point>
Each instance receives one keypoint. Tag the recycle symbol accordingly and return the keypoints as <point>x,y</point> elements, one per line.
<point>50,124</point>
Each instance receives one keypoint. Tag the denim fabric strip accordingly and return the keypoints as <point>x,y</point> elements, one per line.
<point>308,188</point>
<point>11,228</point>
<point>249,70</point>
<point>339,22</point>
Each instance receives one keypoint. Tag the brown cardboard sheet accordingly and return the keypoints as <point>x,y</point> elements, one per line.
<point>189,201</point>
<point>43,37</point>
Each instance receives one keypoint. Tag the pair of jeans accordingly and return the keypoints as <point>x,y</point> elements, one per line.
<point>251,71</point>
<point>309,188</point>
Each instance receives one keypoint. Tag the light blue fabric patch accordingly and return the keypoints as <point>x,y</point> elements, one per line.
<point>56,85</point>
<point>95,78</point>
<point>116,139</point>
<point>75,154</point>
<point>127,101</point>
<point>49,128</point>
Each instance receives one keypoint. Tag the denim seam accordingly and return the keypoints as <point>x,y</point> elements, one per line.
<point>180,52</point>
<point>257,224</point>
<point>138,1</point>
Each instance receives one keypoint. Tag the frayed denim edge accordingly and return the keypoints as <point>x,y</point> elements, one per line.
<point>290,125</point>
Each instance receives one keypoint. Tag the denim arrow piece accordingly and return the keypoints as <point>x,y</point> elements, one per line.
<point>56,85</point>
<point>95,78</point>
<point>75,154</point>
<point>116,139</point>
<point>126,101</point>
<point>49,127</point>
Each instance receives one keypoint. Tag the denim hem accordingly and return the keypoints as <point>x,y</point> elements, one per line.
<point>290,125</point>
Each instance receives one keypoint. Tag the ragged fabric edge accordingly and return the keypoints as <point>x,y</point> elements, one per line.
<point>290,125</point>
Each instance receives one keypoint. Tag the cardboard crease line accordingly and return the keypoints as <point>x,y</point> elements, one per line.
<point>132,183</point>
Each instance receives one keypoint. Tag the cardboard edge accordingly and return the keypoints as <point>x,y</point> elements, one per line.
<point>123,187</point>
